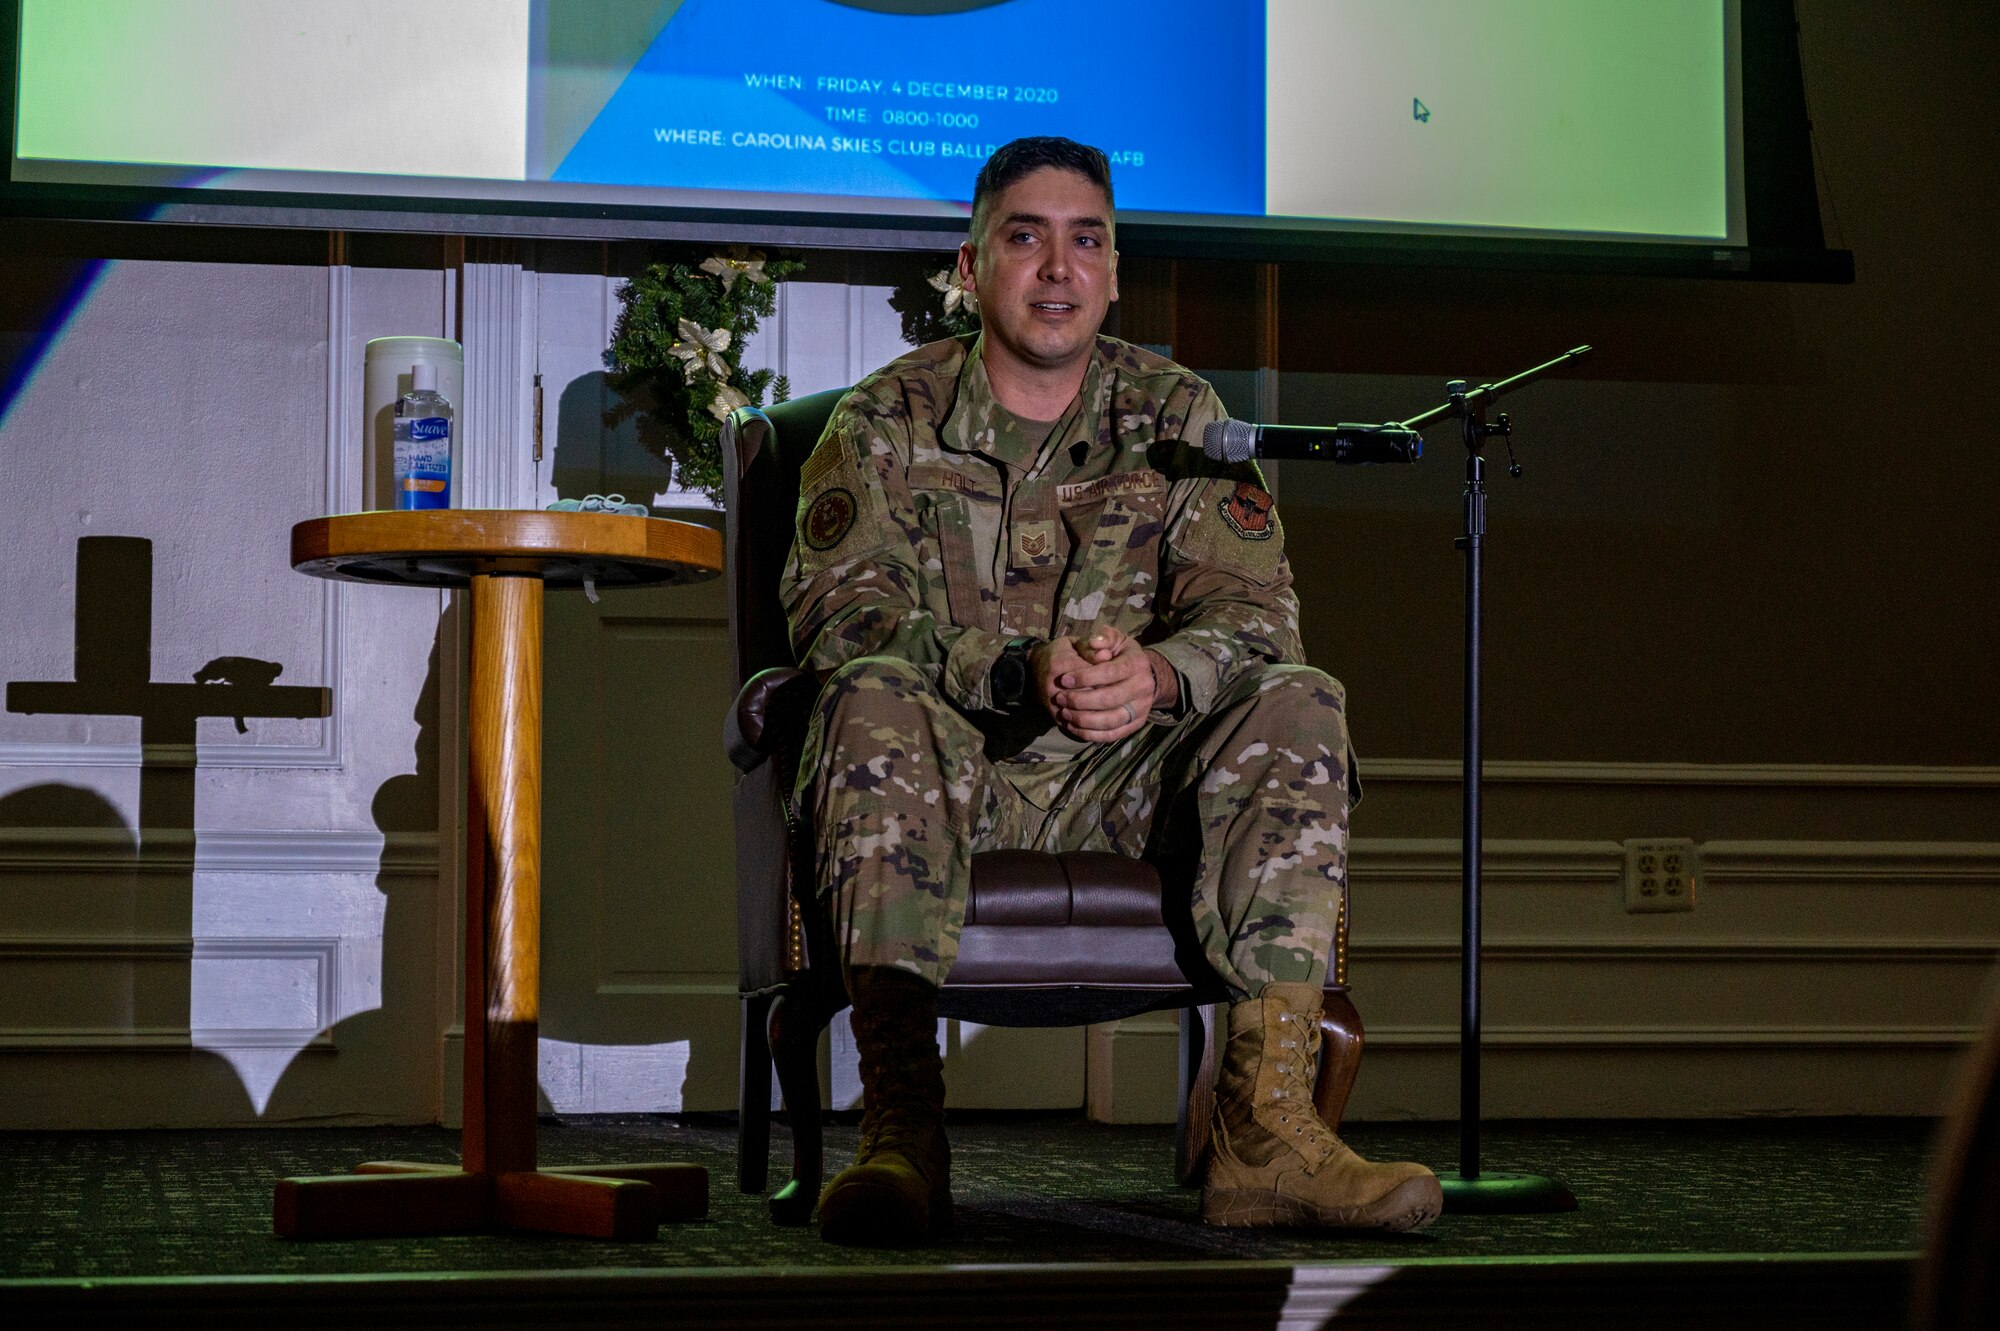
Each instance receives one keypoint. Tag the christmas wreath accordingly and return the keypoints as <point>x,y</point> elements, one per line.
<point>679,341</point>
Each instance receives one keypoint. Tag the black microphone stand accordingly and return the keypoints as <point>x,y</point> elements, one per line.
<point>1470,1189</point>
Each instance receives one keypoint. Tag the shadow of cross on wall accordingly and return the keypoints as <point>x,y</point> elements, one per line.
<point>114,677</point>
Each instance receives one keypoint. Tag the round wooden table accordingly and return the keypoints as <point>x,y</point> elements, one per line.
<point>506,558</point>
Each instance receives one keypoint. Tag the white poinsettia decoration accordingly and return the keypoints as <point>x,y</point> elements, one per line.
<point>729,269</point>
<point>700,350</point>
<point>727,399</point>
<point>948,283</point>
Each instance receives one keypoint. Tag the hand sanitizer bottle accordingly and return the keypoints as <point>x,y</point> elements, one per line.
<point>423,443</point>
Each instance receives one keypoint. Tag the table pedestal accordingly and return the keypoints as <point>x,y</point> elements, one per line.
<point>498,1186</point>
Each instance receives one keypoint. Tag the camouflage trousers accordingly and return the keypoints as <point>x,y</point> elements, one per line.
<point>1254,795</point>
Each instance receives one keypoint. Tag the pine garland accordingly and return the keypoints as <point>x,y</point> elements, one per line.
<point>679,341</point>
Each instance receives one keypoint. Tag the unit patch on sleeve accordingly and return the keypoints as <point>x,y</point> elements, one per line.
<point>1248,512</point>
<point>1233,525</point>
<point>829,519</point>
<point>838,515</point>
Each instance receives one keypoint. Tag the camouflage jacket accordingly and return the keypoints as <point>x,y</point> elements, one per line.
<point>929,529</point>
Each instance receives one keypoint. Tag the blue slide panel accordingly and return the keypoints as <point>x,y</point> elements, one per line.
<point>822,97</point>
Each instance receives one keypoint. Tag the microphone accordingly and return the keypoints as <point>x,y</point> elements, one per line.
<point>1355,445</point>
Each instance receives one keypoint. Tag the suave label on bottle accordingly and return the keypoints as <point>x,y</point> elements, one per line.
<point>423,462</point>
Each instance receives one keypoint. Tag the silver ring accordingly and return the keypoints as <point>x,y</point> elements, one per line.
<point>1130,715</point>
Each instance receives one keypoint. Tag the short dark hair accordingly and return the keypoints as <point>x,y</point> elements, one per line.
<point>1011,161</point>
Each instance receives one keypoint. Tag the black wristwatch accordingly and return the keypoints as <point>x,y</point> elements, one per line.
<point>1012,675</point>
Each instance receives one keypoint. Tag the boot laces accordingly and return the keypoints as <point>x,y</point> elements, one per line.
<point>902,1089</point>
<point>894,1118</point>
<point>1298,1123</point>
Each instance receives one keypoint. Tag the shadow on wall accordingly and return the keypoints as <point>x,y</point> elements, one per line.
<point>100,965</point>
<point>607,443</point>
<point>133,924</point>
<point>43,294</point>
<point>637,898</point>
<point>113,668</point>
<point>402,1028</point>
<point>612,1041</point>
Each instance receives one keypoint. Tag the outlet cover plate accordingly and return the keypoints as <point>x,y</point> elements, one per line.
<point>1661,874</point>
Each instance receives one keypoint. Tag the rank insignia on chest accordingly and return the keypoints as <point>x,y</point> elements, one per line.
<point>1248,512</point>
<point>829,519</point>
<point>1034,544</point>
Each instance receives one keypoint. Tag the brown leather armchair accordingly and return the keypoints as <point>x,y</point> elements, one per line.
<point>1049,940</point>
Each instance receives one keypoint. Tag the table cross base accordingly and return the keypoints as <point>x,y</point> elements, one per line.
<point>398,1197</point>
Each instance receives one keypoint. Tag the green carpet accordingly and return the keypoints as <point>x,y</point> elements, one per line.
<point>1029,1190</point>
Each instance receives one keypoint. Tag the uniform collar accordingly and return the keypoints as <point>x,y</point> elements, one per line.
<point>979,425</point>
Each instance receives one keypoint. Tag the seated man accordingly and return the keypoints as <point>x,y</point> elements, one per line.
<point>1053,623</point>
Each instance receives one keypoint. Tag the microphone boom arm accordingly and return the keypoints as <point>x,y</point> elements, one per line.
<point>1480,396</point>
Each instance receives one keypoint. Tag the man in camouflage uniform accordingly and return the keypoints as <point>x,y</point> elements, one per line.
<point>1051,622</point>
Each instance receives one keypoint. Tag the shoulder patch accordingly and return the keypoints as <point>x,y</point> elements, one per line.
<point>836,519</point>
<point>829,519</point>
<point>1248,512</point>
<point>1232,525</point>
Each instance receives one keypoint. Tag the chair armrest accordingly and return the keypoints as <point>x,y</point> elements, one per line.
<point>770,712</point>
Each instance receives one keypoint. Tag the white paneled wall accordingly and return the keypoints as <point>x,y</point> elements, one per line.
<point>828,334</point>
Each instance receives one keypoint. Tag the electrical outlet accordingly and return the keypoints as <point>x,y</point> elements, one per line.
<point>1660,874</point>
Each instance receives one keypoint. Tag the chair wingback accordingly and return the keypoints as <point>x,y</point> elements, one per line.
<point>762,451</point>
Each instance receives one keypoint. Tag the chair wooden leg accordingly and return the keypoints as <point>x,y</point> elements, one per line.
<point>795,1025</point>
<point>753,1096</point>
<point>1197,1088</point>
<point>1339,1058</point>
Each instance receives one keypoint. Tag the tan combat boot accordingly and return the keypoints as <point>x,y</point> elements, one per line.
<point>898,1190</point>
<point>1274,1160</point>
